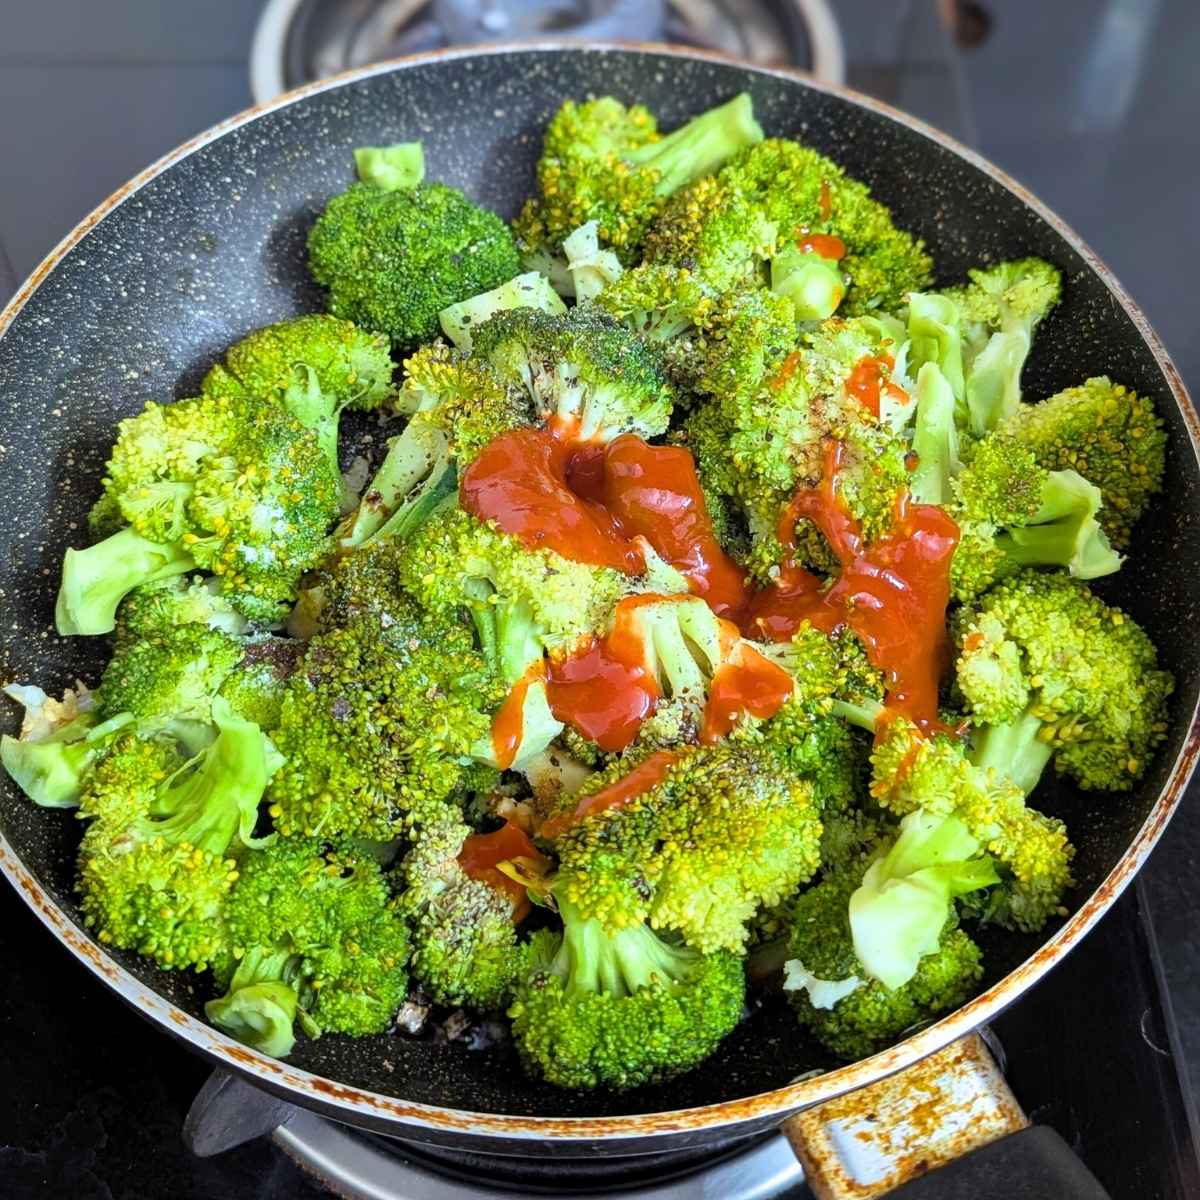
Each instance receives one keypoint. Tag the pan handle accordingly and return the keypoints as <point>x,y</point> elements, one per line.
<point>947,1128</point>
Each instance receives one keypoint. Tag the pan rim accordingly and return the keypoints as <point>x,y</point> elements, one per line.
<point>344,1102</point>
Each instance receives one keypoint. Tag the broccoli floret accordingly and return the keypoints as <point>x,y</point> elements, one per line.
<point>604,162</point>
<point>172,675</point>
<point>216,483</point>
<point>779,429</point>
<point>1048,670</point>
<point>314,366</point>
<point>314,937</point>
<point>938,775</point>
<point>156,608</point>
<point>848,1012</point>
<point>601,1008</point>
<point>708,836</point>
<point>465,948</point>
<point>377,726</point>
<point>1110,435</point>
<point>1012,513</point>
<point>585,371</point>
<point>457,405</point>
<point>160,855</point>
<point>791,189</point>
<point>522,601</point>
<point>999,309</point>
<point>255,688</point>
<point>391,260</point>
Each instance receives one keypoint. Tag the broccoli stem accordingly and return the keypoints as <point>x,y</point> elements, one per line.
<point>51,771</point>
<point>993,385</point>
<point>96,580</point>
<point>391,168</point>
<point>933,330</point>
<point>1064,532</point>
<point>214,795</point>
<point>1016,750</point>
<point>701,146</point>
<point>935,438</point>
<point>259,1008</point>
<point>812,283</point>
<point>509,636</point>
<point>617,964</point>
<point>415,476</point>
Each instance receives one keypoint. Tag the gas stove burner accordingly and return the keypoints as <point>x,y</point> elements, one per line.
<point>364,1167</point>
<point>298,41</point>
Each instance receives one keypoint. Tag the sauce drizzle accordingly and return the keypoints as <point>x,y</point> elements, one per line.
<point>508,725</point>
<point>824,245</point>
<point>482,852</point>
<point>892,594</point>
<point>642,778</point>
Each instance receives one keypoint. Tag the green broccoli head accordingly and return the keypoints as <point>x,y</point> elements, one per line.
<point>523,601</point>
<point>1110,435</point>
<point>465,948</point>
<point>214,483</point>
<point>712,834</point>
<point>377,726</point>
<point>1048,669</point>
<point>583,370</point>
<point>605,162</point>
<point>313,365</point>
<point>391,260</point>
<point>315,937</point>
<point>160,856</point>
<point>596,1008</point>
<point>848,1012</point>
<point>160,607</point>
<point>788,188</point>
<point>938,776</point>
<point>1013,513</point>
<point>172,675</point>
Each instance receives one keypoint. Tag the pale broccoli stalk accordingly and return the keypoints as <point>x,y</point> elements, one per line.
<point>592,269</point>
<point>1000,308</point>
<point>531,290</point>
<point>934,337</point>
<point>935,438</point>
<point>392,168</point>
<point>898,912</point>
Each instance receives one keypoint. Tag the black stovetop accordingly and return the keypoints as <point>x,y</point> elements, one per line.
<point>1091,104</point>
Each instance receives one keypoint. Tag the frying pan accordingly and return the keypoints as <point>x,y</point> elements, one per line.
<point>209,243</point>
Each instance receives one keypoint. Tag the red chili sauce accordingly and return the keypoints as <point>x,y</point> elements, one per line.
<point>824,245</point>
<point>641,779</point>
<point>508,725</point>
<point>591,504</point>
<point>892,594</point>
<point>482,853</point>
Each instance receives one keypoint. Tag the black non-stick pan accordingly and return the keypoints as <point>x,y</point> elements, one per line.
<point>209,243</point>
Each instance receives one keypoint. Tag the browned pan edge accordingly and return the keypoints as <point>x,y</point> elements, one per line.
<point>361,1107</point>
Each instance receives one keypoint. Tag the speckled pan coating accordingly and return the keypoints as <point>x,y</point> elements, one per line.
<point>212,245</point>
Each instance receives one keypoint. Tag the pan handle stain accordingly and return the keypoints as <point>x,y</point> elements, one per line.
<point>869,1142</point>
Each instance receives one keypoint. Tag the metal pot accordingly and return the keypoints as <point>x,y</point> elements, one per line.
<point>208,243</point>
